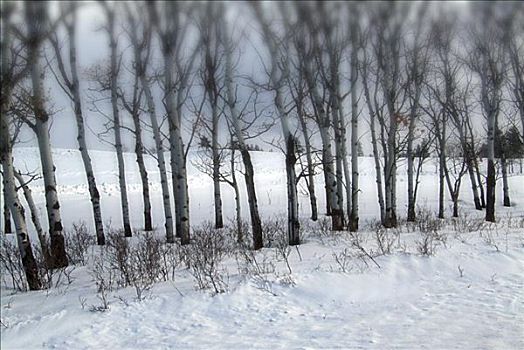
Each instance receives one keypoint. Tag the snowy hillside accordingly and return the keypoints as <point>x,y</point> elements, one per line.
<point>377,289</point>
<point>270,180</point>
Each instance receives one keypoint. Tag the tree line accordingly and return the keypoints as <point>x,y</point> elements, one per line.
<point>413,78</point>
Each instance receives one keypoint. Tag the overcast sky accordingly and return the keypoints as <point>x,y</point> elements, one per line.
<point>92,44</point>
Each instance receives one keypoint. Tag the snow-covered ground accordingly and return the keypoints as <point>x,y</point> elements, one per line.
<point>468,295</point>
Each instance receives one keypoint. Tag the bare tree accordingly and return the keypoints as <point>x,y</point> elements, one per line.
<point>115,63</point>
<point>142,52</point>
<point>171,25</point>
<point>12,72</point>
<point>334,43</point>
<point>213,59</point>
<point>38,26</point>
<point>375,108</point>
<point>385,95</point>
<point>354,35</point>
<point>486,59</point>
<point>514,49</point>
<point>309,26</point>
<point>237,130</point>
<point>451,88</point>
<point>70,83</point>
<point>279,69</point>
<point>133,106</point>
<point>417,59</point>
<point>298,91</point>
<point>24,185</point>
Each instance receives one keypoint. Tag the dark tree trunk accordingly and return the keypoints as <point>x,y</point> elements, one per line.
<point>505,185</point>
<point>7,215</point>
<point>253,206</point>
<point>139,151</point>
<point>490,192</point>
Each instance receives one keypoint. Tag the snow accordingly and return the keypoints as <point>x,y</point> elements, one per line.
<point>410,302</point>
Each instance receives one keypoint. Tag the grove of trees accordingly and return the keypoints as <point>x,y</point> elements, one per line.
<point>409,79</point>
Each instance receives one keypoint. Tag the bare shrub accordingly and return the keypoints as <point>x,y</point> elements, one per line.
<point>142,262</point>
<point>427,221</point>
<point>487,234</point>
<point>204,256</point>
<point>170,260</point>
<point>257,269</point>
<point>427,245</point>
<point>275,232</point>
<point>324,227</point>
<point>385,239</point>
<point>466,224</point>
<point>344,260</point>
<point>77,242</point>
<point>11,266</point>
<point>52,278</point>
<point>118,255</point>
<point>240,232</point>
<point>103,275</point>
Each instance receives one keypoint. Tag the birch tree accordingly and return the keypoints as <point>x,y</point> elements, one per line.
<point>355,40</point>
<point>298,92</point>
<point>385,96</point>
<point>142,52</point>
<point>450,87</point>
<point>171,27</point>
<point>277,74</point>
<point>11,74</point>
<point>212,39</point>
<point>417,60</point>
<point>334,43</point>
<point>24,185</point>
<point>486,59</point>
<point>6,213</point>
<point>115,61</point>
<point>249,175</point>
<point>38,26</point>
<point>306,25</point>
<point>70,83</point>
<point>133,106</point>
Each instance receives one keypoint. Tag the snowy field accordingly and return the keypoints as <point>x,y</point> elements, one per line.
<point>469,294</point>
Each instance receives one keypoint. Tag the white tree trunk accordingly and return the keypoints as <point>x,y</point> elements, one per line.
<point>141,71</point>
<point>116,123</point>
<point>12,201</point>
<point>34,214</point>
<point>35,16</point>
<point>246,158</point>
<point>74,87</point>
<point>6,152</point>
<point>178,164</point>
<point>353,216</point>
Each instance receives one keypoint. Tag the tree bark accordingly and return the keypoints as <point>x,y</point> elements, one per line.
<point>505,185</point>
<point>34,215</point>
<point>309,159</point>
<point>24,245</point>
<point>246,158</point>
<point>36,14</point>
<point>276,80</point>
<point>141,62</point>
<point>116,121</point>
<point>353,216</point>
<point>144,178</point>
<point>114,70</point>
<point>7,214</point>
<point>15,207</point>
<point>6,151</point>
<point>73,86</point>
